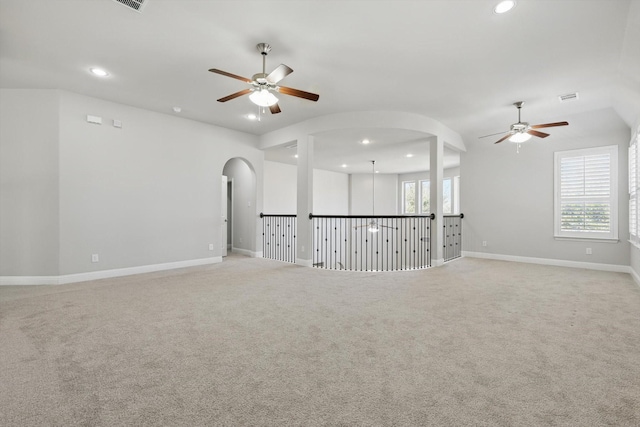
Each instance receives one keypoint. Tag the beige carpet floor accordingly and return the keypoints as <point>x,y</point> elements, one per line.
<point>253,342</point>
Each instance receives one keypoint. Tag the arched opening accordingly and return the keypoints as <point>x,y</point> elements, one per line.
<point>238,208</point>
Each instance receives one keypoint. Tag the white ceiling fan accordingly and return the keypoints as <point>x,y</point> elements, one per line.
<point>523,131</point>
<point>263,85</point>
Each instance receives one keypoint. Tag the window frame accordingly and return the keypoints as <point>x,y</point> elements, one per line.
<point>452,209</point>
<point>634,188</point>
<point>422,183</point>
<point>404,197</point>
<point>612,234</point>
<point>454,186</point>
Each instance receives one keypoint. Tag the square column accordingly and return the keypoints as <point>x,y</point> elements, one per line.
<point>436,173</point>
<point>304,241</point>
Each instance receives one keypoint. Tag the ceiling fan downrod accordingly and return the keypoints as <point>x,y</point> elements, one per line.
<point>519,105</point>
<point>264,49</point>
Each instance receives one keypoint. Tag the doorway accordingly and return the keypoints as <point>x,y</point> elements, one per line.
<point>229,222</point>
<point>238,208</point>
<point>224,205</point>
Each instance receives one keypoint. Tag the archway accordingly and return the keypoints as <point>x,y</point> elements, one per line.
<point>238,208</point>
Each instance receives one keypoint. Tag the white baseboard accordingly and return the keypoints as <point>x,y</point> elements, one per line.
<point>247,252</point>
<point>29,280</point>
<point>437,262</point>
<point>635,276</point>
<point>549,261</point>
<point>103,274</point>
<point>304,262</point>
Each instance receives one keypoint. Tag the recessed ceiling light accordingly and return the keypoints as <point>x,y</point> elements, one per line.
<point>295,155</point>
<point>99,72</point>
<point>365,141</point>
<point>251,116</point>
<point>504,6</point>
<point>344,165</point>
<point>409,155</point>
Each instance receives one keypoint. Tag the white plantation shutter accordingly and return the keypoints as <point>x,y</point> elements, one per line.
<point>586,193</point>
<point>634,190</point>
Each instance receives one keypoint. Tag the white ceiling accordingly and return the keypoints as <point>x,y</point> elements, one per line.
<point>453,61</point>
<point>390,148</point>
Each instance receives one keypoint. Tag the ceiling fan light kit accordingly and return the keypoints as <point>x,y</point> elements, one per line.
<point>263,98</point>
<point>519,137</point>
<point>263,85</point>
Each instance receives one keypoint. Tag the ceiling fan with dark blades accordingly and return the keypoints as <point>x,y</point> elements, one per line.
<point>262,85</point>
<point>522,131</point>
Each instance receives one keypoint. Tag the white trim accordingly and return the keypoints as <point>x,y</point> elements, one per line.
<point>612,200</point>
<point>29,280</point>
<point>437,262</point>
<point>635,276</point>
<point>103,274</point>
<point>586,239</point>
<point>547,261</point>
<point>304,262</point>
<point>247,252</point>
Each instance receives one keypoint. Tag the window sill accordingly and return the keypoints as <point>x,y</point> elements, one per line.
<point>586,239</point>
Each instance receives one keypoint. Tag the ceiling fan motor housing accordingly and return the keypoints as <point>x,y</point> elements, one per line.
<point>520,127</point>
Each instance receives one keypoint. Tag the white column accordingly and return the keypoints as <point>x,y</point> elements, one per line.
<point>304,201</point>
<point>436,173</point>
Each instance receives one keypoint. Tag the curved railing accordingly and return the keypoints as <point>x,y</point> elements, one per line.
<point>371,243</point>
<point>363,243</point>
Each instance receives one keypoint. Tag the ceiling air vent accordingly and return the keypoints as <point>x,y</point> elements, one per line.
<point>568,97</point>
<point>136,5</point>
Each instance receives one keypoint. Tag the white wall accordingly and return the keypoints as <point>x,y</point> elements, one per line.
<point>330,193</point>
<point>507,198</point>
<point>280,183</point>
<point>386,194</point>
<point>330,190</point>
<point>146,194</point>
<point>29,219</point>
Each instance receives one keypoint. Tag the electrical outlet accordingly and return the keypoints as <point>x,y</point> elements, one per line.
<point>95,258</point>
<point>210,246</point>
<point>589,251</point>
<point>484,243</point>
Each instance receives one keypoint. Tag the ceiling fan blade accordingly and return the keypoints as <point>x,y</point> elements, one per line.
<point>299,93</point>
<point>538,134</point>
<point>233,76</point>
<point>275,109</point>
<point>549,125</point>
<point>279,73</point>
<point>234,95</point>
<point>493,134</point>
<point>503,138</point>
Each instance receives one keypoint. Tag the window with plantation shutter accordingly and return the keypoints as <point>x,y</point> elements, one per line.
<point>634,189</point>
<point>586,204</point>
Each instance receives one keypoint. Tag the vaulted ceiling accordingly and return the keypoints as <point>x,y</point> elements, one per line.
<point>454,61</point>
